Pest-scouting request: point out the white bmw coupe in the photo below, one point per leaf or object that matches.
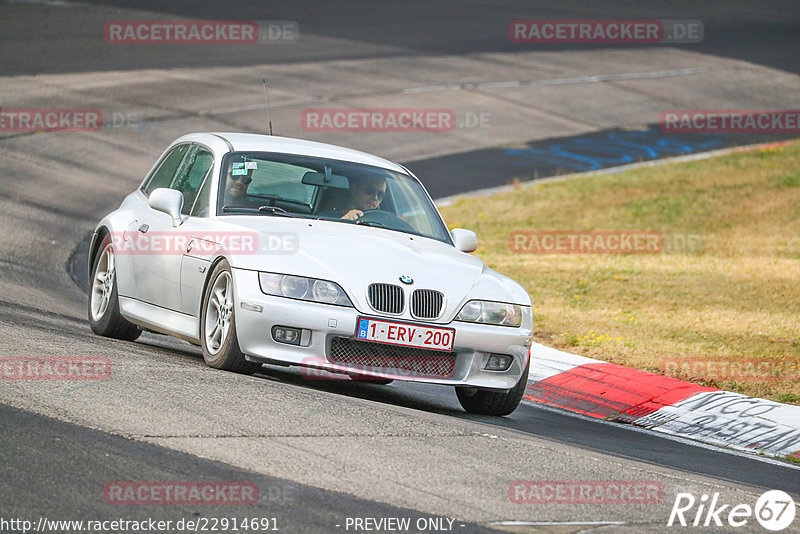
(266, 249)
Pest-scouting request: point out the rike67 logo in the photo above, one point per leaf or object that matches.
(774, 510)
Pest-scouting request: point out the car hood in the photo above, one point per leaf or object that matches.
(356, 256)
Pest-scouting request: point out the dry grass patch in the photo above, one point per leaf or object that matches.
(734, 299)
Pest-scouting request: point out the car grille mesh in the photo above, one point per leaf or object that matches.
(426, 303)
(387, 298)
(393, 359)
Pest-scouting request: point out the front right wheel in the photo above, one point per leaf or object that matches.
(218, 325)
(485, 401)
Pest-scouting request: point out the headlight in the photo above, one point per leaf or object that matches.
(302, 288)
(294, 287)
(325, 291)
(489, 312)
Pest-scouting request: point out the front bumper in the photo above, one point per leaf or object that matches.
(323, 323)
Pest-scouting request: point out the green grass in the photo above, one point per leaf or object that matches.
(734, 295)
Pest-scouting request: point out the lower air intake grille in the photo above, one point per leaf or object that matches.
(387, 298)
(379, 357)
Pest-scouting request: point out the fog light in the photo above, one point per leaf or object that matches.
(498, 362)
(284, 334)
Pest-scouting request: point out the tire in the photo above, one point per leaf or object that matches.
(493, 401)
(104, 317)
(218, 325)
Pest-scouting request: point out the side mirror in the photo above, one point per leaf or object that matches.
(168, 201)
(464, 240)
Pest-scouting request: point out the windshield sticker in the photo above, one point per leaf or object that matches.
(238, 165)
(250, 165)
(240, 172)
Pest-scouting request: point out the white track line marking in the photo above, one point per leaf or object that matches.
(597, 78)
(554, 523)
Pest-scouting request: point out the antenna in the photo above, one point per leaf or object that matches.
(266, 99)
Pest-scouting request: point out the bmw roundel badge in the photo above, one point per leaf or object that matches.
(406, 279)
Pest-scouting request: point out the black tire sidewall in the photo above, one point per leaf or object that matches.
(494, 402)
(107, 322)
(230, 348)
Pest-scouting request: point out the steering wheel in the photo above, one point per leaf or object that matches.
(386, 219)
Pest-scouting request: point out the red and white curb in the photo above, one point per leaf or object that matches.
(663, 404)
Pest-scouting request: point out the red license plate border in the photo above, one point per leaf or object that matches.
(450, 329)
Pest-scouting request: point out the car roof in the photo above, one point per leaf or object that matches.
(244, 142)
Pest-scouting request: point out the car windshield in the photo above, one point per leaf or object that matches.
(289, 185)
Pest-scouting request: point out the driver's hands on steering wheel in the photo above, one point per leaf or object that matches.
(353, 215)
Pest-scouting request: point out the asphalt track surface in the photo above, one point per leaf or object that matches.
(319, 451)
(764, 33)
(498, 166)
(34, 449)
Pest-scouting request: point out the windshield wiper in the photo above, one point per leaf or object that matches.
(275, 210)
(272, 210)
(237, 208)
(371, 223)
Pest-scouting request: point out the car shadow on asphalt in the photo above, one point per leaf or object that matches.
(424, 397)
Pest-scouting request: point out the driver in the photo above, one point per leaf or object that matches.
(365, 194)
(236, 189)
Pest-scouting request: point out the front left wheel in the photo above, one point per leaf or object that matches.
(218, 325)
(104, 317)
(493, 401)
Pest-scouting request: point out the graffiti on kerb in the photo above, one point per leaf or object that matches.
(614, 148)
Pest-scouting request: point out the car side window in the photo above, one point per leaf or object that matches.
(162, 177)
(201, 204)
(190, 175)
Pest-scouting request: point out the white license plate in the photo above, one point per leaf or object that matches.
(407, 335)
